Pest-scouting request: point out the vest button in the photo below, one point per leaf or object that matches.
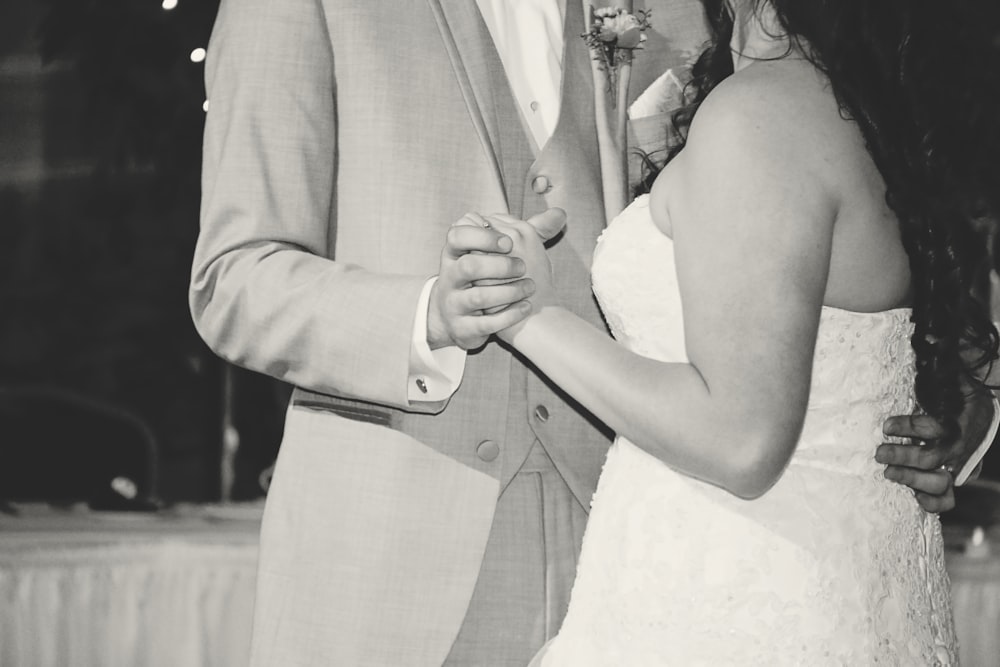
(540, 185)
(488, 450)
(542, 413)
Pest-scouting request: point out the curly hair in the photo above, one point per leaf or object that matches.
(921, 81)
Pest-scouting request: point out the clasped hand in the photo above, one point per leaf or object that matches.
(927, 460)
(495, 272)
(490, 268)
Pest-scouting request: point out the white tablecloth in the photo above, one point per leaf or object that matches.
(975, 590)
(84, 589)
(87, 589)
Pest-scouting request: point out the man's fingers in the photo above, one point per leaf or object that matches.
(485, 325)
(910, 456)
(508, 317)
(936, 504)
(921, 427)
(465, 237)
(472, 219)
(936, 482)
(495, 297)
(470, 269)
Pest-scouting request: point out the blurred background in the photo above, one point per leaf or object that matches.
(102, 375)
(133, 462)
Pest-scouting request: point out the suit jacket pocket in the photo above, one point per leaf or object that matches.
(353, 410)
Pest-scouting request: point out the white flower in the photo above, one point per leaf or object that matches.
(605, 12)
(627, 28)
(622, 22)
(631, 39)
(606, 34)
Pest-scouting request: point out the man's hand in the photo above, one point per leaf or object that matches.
(927, 463)
(479, 290)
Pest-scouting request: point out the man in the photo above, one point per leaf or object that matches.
(409, 521)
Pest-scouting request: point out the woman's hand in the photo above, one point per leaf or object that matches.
(528, 239)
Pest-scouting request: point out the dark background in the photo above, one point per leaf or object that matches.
(101, 371)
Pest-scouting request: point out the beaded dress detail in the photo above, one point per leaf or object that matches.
(834, 565)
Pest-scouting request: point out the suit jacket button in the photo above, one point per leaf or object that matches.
(540, 185)
(542, 413)
(488, 450)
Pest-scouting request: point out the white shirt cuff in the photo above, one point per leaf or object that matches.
(984, 446)
(434, 374)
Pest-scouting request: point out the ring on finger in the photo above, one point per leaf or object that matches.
(473, 219)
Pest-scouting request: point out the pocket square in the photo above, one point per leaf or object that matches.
(664, 94)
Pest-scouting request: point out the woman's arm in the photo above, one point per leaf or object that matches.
(752, 220)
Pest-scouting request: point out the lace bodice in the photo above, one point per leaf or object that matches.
(833, 566)
(862, 370)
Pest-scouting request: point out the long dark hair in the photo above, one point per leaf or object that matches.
(921, 80)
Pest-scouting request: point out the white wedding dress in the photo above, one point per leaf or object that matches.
(833, 566)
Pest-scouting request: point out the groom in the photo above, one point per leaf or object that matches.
(410, 520)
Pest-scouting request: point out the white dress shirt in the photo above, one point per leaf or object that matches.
(528, 35)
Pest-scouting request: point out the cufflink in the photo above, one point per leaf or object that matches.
(421, 385)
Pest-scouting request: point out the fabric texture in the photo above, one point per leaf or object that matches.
(342, 141)
(528, 35)
(524, 583)
(832, 566)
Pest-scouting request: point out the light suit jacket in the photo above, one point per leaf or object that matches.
(342, 140)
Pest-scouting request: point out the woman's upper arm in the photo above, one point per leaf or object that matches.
(752, 222)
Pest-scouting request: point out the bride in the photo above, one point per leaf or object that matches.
(764, 295)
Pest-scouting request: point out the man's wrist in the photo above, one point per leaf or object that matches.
(435, 373)
(436, 335)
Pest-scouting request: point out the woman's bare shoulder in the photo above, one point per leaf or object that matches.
(781, 114)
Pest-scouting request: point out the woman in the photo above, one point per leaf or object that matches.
(765, 295)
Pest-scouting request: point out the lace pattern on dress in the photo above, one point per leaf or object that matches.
(833, 566)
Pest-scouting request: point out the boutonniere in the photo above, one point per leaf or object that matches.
(614, 34)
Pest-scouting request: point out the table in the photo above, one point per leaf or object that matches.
(975, 591)
(103, 589)
(176, 588)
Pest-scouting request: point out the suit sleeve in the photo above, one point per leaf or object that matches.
(265, 294)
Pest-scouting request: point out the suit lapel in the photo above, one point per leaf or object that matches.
(474, 58)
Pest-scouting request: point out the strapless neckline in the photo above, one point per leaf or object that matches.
(641, 203)
(833, 566)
